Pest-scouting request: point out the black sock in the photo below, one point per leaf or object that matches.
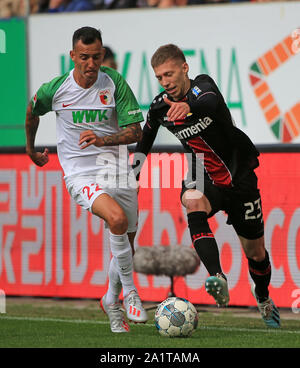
(261, 275)
(204, 242)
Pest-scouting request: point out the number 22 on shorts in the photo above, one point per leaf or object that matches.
(90, 190)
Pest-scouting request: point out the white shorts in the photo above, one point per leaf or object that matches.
(84, 190)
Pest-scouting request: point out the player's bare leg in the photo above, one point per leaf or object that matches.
(107, 208)
(198, 207)
(121, 264)
(260, 272)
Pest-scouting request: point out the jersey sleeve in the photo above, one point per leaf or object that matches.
(150, 130)
(203, 96)
(143, 147)
(127, 107)
(42, 100)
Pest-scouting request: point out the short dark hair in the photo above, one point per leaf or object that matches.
(87, 35)
(166, 52)
(108, 53)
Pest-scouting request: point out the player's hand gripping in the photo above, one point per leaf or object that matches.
(39, 158)
(177, 110)
(89, 137)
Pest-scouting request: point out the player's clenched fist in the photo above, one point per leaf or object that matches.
(39, 158)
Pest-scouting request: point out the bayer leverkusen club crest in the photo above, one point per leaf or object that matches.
(105, 96)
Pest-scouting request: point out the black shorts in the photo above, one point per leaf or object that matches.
(242, 203)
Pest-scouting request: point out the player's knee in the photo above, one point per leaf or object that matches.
(117, 222)
(257, 255)
(193, 205)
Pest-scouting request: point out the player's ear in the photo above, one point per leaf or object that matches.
(185, 67)
(103, 52)
(72, 54)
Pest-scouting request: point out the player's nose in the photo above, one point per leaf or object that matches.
(164, 82)
(91, 63)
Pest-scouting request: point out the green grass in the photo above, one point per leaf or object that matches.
(61, 324)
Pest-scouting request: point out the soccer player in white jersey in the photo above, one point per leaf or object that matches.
(97, 115)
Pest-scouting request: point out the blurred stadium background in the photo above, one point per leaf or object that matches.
(48, 246)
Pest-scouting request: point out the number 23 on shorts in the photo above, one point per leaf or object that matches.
(253, 210)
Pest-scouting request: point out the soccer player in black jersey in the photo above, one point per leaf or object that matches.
(196, 113)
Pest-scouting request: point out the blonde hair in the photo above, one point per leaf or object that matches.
(166, 52)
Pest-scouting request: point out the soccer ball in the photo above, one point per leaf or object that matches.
(176, 317)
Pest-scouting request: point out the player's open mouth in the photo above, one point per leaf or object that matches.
(171, 90)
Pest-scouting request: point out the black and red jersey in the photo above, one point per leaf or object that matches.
(208, 129)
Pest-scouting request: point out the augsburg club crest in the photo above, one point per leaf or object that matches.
(105, 96)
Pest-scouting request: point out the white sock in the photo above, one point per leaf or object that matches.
(114, 284)
(121, 250)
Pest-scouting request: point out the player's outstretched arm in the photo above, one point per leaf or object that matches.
(131, 134)
(31, 126)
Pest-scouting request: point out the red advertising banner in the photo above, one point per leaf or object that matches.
(49, 246)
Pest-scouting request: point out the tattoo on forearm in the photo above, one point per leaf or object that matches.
(32, 123)
(131, 134)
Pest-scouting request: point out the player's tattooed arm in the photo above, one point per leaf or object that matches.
(131, 134)
(31, 127)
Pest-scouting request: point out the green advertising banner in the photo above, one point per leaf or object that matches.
(13, 77)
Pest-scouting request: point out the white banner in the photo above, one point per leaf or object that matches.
(251, 50)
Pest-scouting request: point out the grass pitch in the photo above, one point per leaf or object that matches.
(49, 323)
